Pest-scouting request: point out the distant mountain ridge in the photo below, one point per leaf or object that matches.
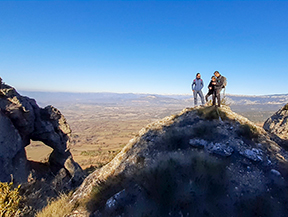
(266, 99)
(255, 108)
(118, 98)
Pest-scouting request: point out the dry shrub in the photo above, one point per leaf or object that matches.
(247, 131)
(211, 113)
(9, 200)
(57, 208)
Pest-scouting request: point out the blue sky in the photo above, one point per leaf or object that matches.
(144, 46)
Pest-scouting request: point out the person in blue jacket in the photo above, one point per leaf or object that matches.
(197, 86)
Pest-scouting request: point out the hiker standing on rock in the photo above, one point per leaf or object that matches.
(211, 88)
(220, 84)
(197, 86)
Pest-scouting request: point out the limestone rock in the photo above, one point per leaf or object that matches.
(277, 124)
(22, 120)
(52, 129)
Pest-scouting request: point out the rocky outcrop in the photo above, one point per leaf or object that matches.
(201, 162)
(277, 125)
(12, 154)
(22, 120)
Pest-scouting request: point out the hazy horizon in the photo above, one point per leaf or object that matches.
(147, 93)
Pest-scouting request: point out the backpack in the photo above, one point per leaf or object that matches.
(224, 82)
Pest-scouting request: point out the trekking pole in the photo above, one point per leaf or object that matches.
(224, 95)
(217, 110)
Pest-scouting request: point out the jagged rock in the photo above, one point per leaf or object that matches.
(22, 120)
(215, 148)
(221, 149)
(277, 124)
(254, 154)
(193, 164)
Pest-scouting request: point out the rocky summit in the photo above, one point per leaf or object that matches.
(202, 162)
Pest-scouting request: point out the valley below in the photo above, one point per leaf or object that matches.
(99, 132)
(103, 124)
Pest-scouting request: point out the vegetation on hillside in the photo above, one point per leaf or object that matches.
(9, 200)
(58, 207)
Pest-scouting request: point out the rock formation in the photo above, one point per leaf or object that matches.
(277, 125)
(201, 162)
(22, 120)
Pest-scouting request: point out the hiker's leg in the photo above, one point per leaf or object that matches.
(198, 93)
(202, 97)
(206, 97)
(214, 98)
(195, 97)
(218, 97)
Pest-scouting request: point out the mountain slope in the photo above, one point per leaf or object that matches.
(201, 162)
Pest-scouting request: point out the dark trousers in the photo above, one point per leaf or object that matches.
(216, 95)
(209, 94)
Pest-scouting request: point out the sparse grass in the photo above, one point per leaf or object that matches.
(211, 113)
(247, 131)
(102, 191)
(57, 208)
(205, 130)
(174, 182)
(174, 140)
(9, 200)
(285, 107)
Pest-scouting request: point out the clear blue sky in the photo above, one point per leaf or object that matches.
(144, 46)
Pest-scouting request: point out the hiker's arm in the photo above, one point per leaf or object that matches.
(220, 83)
(193, 85)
